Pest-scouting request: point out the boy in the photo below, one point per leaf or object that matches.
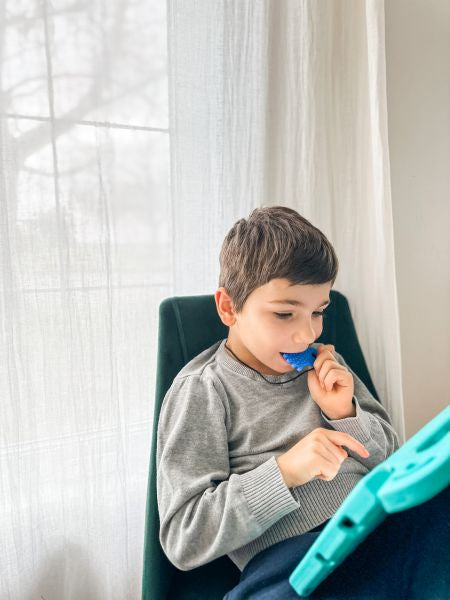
(253, 456)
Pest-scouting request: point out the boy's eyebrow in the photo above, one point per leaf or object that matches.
(297, 302)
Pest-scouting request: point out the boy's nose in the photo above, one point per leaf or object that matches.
(304, 337)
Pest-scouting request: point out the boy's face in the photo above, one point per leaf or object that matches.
(260, 332)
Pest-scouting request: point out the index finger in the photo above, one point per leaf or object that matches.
(329, 347)
(344, 439)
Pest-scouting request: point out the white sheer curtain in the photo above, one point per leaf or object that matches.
(285, 103)
(270, 103)
(85, 246)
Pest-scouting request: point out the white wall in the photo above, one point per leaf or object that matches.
(418, 101)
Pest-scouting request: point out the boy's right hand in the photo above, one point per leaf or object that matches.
(318, 454)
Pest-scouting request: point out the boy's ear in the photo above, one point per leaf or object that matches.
(225, 307)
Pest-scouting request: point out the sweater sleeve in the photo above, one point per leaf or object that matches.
(371, 425)
(206, 512)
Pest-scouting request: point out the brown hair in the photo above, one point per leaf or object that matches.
(274, 242)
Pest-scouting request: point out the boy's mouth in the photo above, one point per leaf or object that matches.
(284, 360)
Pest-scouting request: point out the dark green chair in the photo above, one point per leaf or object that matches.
(187, 326)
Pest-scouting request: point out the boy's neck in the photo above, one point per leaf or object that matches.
(236, 349)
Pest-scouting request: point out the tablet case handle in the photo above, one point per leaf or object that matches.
(418, 475)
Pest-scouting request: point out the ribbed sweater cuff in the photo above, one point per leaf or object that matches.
(267, 494)
(357, 426)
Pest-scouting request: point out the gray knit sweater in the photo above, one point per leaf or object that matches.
(219, 487)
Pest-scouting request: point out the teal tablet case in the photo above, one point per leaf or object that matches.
(413, 474)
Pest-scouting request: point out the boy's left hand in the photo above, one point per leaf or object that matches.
(335, 397)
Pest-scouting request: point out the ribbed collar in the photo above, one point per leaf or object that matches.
(224, 358)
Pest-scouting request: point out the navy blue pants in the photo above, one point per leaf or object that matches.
(407, 557)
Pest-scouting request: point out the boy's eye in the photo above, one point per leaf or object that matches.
(285, 316)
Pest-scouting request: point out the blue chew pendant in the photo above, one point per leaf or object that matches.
(300, 360)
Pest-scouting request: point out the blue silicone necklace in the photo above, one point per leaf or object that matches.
(272, 382)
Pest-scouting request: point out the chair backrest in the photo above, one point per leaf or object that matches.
(187, 326)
